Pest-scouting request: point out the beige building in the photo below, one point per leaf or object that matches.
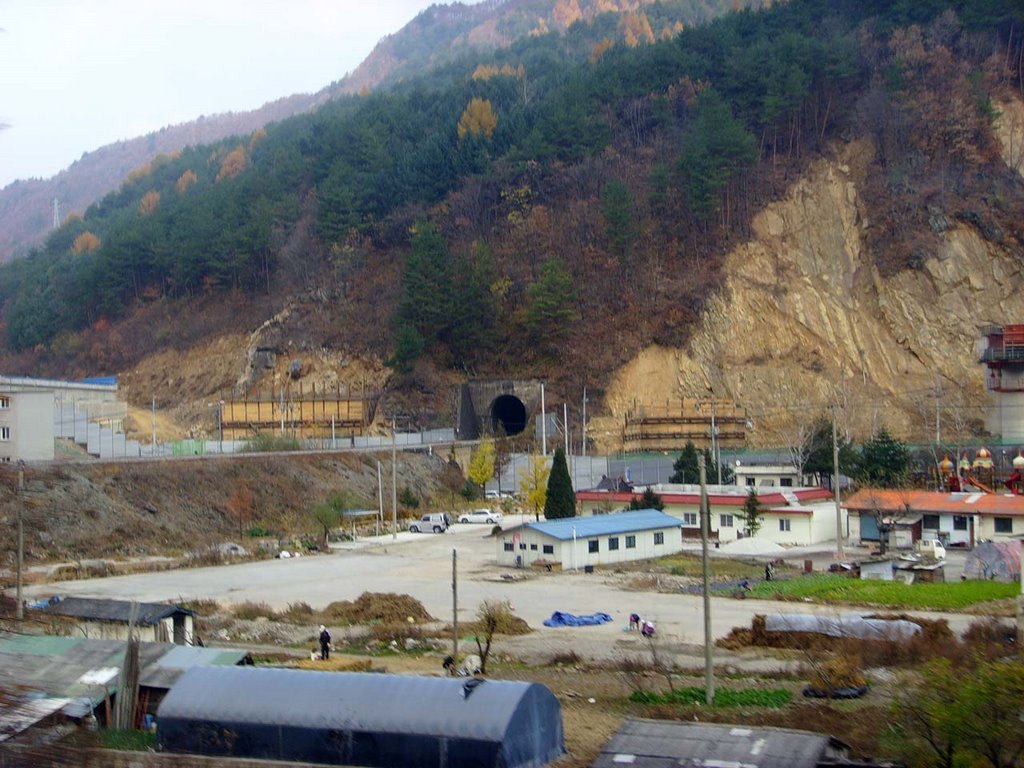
(26, 426)
(956, 519)
(790, 516)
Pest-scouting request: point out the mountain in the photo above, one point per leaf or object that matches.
(435, 37)
(811, 204)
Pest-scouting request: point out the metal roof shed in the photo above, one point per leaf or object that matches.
(670, 743)
(360, 719)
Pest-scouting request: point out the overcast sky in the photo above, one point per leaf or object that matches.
(78, 74)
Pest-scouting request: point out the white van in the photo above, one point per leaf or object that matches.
(930, 548)
(436, 522)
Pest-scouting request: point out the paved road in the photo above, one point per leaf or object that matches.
(420, 565)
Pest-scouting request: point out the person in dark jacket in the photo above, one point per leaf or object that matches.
(325, 643)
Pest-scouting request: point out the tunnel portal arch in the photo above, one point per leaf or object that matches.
(509, 414)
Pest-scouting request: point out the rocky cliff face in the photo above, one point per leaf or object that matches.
(806, 321)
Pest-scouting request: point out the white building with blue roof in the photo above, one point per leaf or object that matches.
(576, 542)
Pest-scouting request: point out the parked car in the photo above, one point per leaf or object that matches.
(481, 516)
(436, 522)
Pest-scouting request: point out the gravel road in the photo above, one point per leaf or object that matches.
(420, 565)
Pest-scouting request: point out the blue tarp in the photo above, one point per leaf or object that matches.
(559, 619)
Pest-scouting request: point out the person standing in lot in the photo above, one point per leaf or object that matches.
(325, 643)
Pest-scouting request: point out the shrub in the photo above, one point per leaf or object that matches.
(252, 610)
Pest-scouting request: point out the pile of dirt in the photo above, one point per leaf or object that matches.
(382, 607)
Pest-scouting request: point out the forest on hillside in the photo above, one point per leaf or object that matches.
(546, 209)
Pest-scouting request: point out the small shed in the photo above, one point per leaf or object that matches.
(104, 619)
(361, 719)
(672, 743)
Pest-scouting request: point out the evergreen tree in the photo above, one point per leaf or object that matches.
(884, 461)
(752, 514)
(560, 501)
(647, 500)
(685, 468)
(550, 309)
(620, 226)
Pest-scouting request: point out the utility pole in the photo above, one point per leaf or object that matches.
(543, 423)
(583, 447)
(394, 484)
(715, 447)
(455, 606)
(565, 424)
(705, 524)
(840, 555)
(154, 424)
(938, 397)
(380, 496)
(19, 612)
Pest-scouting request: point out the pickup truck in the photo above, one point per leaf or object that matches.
(931, 549)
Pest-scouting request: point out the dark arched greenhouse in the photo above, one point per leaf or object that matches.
(360, 718)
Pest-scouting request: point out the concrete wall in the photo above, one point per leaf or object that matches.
(1004, 415)
(26, 426)
(162, 632)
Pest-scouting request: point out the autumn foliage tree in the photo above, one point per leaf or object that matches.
(149, 202)
(232, 164)
(186, 180)
(241, 506)
(481, 463)
(86, 242)
(478, 119)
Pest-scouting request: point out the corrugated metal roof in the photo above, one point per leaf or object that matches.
(924, 502)
(99, 609)
(358, 701)
(661, 744)
(78, 668)
(601, 525)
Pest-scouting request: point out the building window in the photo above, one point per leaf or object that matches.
(725, 521)
(508, 546)
(784, 524)
(1004, 525)
(930, 522)
(592, 546)
(613, 543)
(659, 537)
(689, 518)
(631, 542)
(5, 403)
(522, 545)
(750, 481)
(549, 549)
(533, 547)
(786, 482)
(959, 522)
(5, 433)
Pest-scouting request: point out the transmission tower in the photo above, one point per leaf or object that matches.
(56, 213)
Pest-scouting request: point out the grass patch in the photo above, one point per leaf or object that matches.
(829, 588)
(128, 741)
(724, 697)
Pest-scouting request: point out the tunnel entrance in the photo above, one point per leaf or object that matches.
(509, 414)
